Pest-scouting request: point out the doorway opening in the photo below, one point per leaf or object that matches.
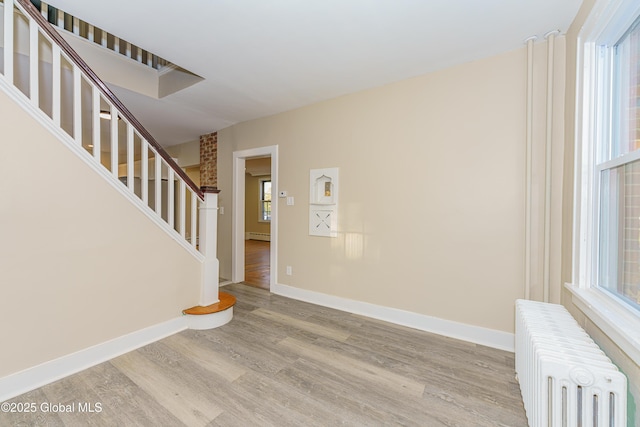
(257, 221)
(255, 218)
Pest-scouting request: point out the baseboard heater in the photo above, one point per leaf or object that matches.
(258, 236)
(565, 378)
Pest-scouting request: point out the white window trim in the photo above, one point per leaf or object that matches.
(260, 181)
(607, 22)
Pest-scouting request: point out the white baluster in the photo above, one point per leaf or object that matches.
(75, 25)
(103, 38)
(130, 171)
(116, 44)
(128, 50)
(56, 84)
(194, 219)
(183, 210)
(158, 173)
(60, 18)
(95, 116)
(44, 10)
(8, 40)
(34, 59)
(170, 198)
(114, 141)
(91, 32)
(144, 171)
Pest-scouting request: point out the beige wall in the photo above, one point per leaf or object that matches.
(627, 365)
(79, 264)
(187, 155)
(431, 192)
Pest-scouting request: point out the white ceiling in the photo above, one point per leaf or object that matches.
(261, 57)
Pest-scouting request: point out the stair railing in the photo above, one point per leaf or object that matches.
(75, 103)
(80, 28)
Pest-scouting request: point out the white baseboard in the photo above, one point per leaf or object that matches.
(475, 334)
(53, 370)
(48, 372)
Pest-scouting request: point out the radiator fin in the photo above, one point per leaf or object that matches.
(565, 378)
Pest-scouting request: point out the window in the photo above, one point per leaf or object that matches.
(607, 210)
(265, 200)
(618, 170)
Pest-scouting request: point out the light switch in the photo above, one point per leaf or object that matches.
(290, 201)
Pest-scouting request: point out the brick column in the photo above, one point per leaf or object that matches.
(209, 160)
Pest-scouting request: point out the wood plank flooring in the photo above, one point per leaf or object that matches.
(257, 263)
(282, 362)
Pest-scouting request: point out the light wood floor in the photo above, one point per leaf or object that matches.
(256, 263)
(281, 362)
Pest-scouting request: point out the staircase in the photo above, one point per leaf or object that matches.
(45, 76)
(222, 310)
(65, 21)
(120, 62)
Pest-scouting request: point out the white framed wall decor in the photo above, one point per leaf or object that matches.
(323, 202)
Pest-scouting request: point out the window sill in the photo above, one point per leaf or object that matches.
(621, 324)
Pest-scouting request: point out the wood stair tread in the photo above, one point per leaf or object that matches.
(226, 301)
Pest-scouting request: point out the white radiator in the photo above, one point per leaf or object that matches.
(565, 379)
(250, 235)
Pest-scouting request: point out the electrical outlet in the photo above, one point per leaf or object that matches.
(289, 270)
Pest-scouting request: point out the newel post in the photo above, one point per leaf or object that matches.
(208, 246)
